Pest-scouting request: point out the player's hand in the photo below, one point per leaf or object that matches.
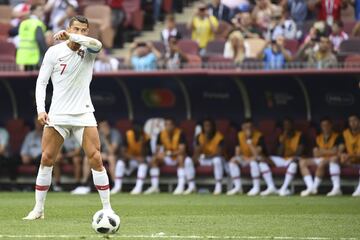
(62, 35)
(43, 118)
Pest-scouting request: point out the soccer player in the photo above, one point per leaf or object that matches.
(209, 151)
(249, 151)
(171, 151)
(70, 66)
(291, 145)
(326, 152)
(351, 156)
(135, 152)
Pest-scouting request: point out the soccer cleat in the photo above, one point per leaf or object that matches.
(152, 190)
(284, 192)
(334, 192)
(269, 191)
(218, 189)
(190, 190)
(136, 191)
(234, 191)
(34, 215)
(306, 192)
(253, 192)
(81, 190)
(57, 188)
(357, 192)
(116, 189)
(179, 190)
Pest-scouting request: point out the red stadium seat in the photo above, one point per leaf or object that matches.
(5, 13)
(183, 30)
(223, 125)
(134, 14)
(168, 170)
(167, 6)
(160, 46)
(188, 127)
(4, 30)
(292, 46)
(189, 46)
(67, 169)
(27, 170)
(219, 62)
(204, 171)
(17, 130)
(352, 61)
(7, 49)
(348, 26)
(350, 46)
(123, 125)
(215, 47)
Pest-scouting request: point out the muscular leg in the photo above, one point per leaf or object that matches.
(91, 146)
(154, 174)
(320, 172)
(304, 164)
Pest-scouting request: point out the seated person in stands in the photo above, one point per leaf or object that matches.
(4, 148)
(142, 56)
(110, 140)
(243, 22)
(280, 25)
(71, 153)
(219, 10)
(274, 54)
(135, 154)
(174, 56)
(250, 150)
(169, 30)
(328, 145)
(235, 47)
(105, 63)
(319, 57)
(351, 155)
(203, 27)
(338, 35)
(171, 151)
(209, 151)
(291, 146)
(31, 147)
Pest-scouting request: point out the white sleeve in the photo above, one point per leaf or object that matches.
(42, 81)
(91, 44)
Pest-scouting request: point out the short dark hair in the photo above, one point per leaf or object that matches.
(34, 7)
(325, 119)
(78, 18)
(247, 120)
(353, 115)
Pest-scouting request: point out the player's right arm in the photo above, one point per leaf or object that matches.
(41, 84)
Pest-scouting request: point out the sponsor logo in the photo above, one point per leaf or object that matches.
(158, 98)
(216, 95)
(340, 99)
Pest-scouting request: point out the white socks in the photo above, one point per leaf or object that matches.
(317, 182)
(218, 169)
(290, 174)
(335, 174)
(101, 182)
(154, 174)
(43, 182)
(141, 174)
(266, 173)
(255, 174)
(181, 177)
(189, 172)
(308, 181)
(235, 174)
(119, 173)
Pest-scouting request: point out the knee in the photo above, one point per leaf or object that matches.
(188, 162)
(217, 161)
(302, 163)
(333, 160)
(95, 161)
(121, 163)
(47, 159)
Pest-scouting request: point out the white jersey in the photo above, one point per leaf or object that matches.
(71, 74)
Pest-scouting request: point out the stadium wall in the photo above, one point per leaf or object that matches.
(194, 94)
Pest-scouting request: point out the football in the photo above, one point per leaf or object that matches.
(106, 222)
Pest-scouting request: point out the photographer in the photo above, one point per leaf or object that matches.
(142, 56)
(274, 54)
(174, 56)
(280, 25)
(243, 22)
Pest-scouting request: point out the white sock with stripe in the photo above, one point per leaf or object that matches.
(141, 174)
(235, 175)
(255, 174)
(334, 170)
(289, 176)
(119, 173)
(43, 182)
(154, 174)
(101, 182)
(308, 181)
(267, 175)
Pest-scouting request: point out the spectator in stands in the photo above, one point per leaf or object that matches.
(135, 154)
(4, 148)
(280, 26)
(219, 10)
(156, 9)
(31, 147)
(118, 17)
(105, 63)
(142, 56)
(235, 47)
(338, 35)
(64, 21)
(32, 44)
(174, 56)
(171, 151)
(298, 10)
(356, 5)
(243, 22)
(291, 146)
(351, 155)
(71, 153)
(319, 57)
(209, 151)
(328, 10)
(203, 27)
(57, 10)
(328, 146)
(249, 150)
(169, 30)
(262, 12)
(275, 55)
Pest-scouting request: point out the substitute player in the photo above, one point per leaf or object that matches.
(352, 146)
(134, 154)
(70, 66)
(326, 152)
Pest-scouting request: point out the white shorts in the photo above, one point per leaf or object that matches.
(168, 161)
(207, 162)
(67, 124)
(280, 161)
(317, 161)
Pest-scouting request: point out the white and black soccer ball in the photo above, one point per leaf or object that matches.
(106, 222)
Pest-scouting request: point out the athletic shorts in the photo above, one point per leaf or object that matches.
(280, 161)
(134, 164)
(67, 124)
(207, 161)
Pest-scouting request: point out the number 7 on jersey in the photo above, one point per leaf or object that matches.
(63, 65)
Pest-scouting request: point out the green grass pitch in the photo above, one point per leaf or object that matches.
(165, 216)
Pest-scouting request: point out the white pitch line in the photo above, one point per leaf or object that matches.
(158, 236)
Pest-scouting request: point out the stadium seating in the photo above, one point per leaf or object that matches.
(189, 46)
(5, 13)
(134, 14)
(7, 52)
(17, 130)
(183, 30)
(223, 30)
(4, 31)
(350, 46)
(215, 47)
